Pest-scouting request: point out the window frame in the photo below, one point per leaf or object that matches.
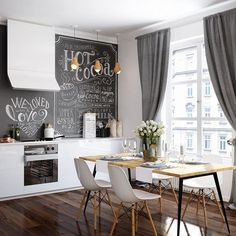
(198, 93)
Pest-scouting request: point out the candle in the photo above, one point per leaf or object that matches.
(165, 147)
(181, 150)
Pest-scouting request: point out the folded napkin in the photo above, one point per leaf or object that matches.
(128, 158)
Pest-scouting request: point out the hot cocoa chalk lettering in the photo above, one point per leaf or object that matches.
(29, 114)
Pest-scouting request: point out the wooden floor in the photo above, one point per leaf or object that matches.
(54, 214)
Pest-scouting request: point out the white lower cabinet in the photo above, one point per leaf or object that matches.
(68, 151)
(11, 170)
(12, 165)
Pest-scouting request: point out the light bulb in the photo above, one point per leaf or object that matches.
(74, 63)
(97, 66)
(117, 68)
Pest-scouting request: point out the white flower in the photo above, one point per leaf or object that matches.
(150, 129)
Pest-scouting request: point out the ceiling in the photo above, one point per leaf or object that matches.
(109, 16)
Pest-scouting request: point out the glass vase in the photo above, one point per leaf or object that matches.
(150, 150)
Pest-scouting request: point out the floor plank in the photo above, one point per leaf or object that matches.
(55, 214)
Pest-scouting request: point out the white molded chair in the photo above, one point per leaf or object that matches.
(155, 181)
(93, 187)
(102, 170)
(203, 188)
(122, 188)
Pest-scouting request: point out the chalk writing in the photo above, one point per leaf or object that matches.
(28, 113)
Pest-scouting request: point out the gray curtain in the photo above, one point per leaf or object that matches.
(220, 43)
(153, 56)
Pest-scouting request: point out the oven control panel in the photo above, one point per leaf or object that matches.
(41, 149)
(51, 148)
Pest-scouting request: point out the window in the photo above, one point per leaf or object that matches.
(207, 111)
(194, 117)
(189, 140)
(207, 142)
(222, 143)
(189, 109)
(207, 88)
(220, 112)
(189, 90)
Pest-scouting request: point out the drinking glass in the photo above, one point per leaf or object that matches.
(132, 146)
(125, 144)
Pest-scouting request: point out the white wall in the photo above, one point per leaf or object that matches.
(129, 89)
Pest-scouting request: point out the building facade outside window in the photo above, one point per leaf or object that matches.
(189, 90)
(189, 140)
(222, 143)
(207, 142)
(207, 111)
(194, 118)
(207, 88)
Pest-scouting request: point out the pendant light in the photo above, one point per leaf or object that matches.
(74, 62)
(97, 65)
(117, 68)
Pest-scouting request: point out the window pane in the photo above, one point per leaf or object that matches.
(185, 60)
(184, 99)
(216, 129)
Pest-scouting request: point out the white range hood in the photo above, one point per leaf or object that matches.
(31, 56)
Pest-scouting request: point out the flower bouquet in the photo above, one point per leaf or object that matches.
(149, 132)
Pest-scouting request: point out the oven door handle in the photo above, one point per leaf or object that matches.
(40, 157)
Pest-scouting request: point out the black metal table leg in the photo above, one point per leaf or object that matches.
(221, 199)
(88, 195)
(179, 204)
(129, 175)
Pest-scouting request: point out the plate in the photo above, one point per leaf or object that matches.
(195, 163)
(155, 165)
(111, 158)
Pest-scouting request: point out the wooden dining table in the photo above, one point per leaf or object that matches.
(182, 172)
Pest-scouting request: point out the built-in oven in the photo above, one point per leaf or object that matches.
(41, 164)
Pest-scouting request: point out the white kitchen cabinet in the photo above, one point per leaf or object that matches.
(68, 151)
(11, 170)
(12, 165)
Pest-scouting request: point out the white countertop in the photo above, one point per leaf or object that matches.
(63, 140)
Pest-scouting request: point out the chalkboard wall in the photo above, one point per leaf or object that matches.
(82, 90)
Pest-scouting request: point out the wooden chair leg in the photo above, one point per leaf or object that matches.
(150, 218)
(95, 210)
(136, 217)
(160, 192)
(188, 201)
(82, 205)
(115, 221)
(99, 203)
(133, 220)
(176, 199)
(204, 208)
(217, 203)
(198, 200)
(110, 203)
